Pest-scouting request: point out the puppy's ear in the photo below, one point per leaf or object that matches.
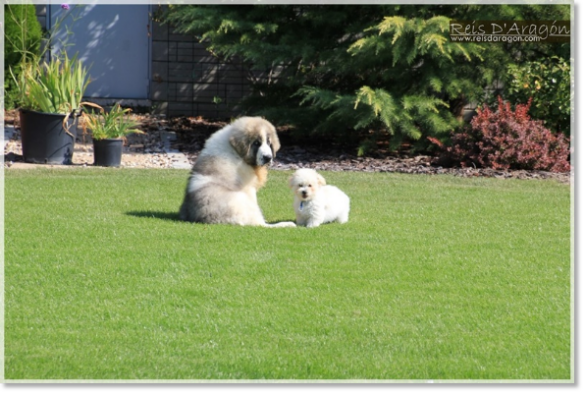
(273, 137)
(321, 180)
(274, 141)
(240, 142)
(291, 182)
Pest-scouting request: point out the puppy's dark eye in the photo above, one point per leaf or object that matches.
(310, 186)
(257, 143)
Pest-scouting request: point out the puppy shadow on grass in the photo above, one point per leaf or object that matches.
(172, 216)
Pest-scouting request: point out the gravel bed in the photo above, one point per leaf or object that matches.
(175, 143)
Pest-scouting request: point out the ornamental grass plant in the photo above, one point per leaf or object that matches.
(56, 86)
(115, 123)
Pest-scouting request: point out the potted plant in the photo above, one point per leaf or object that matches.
(51, 95)
(108, 130)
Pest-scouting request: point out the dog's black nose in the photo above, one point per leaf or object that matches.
(266, 159)
(304, 193)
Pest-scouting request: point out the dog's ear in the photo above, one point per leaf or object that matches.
(274, 141)
(321, 180)
(291, 182)
(240, 142)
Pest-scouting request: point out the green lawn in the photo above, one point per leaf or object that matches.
(432, 278)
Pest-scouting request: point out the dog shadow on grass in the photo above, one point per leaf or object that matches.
(172, 216)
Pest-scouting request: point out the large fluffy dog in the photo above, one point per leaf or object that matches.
(229, 170)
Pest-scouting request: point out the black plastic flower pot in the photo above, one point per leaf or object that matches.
(107, 152)
(44, 139)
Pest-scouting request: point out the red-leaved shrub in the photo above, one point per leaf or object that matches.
(507, 139)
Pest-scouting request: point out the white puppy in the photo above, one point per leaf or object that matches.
(316, 202)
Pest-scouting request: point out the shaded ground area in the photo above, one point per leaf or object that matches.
(176, 142)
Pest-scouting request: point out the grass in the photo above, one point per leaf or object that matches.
(432, 278)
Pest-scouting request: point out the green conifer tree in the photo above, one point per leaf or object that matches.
(356, 72)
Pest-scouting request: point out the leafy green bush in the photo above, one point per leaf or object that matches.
(22, 41)
(548, 82)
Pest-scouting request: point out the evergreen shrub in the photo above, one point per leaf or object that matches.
(548, 82)
(22, 42)
(358, 74)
